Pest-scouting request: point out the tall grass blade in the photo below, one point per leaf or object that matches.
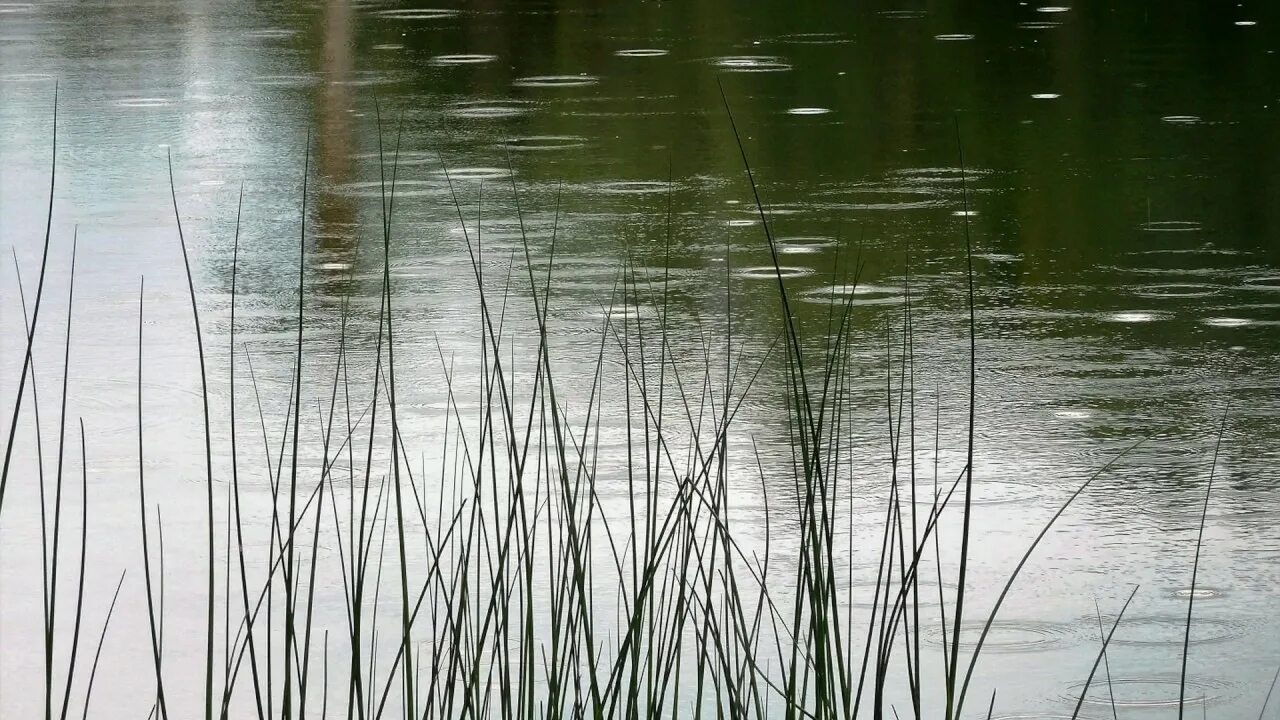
(35, 313)
(208, 451)
(97, 654)
(1195, 565)
(1102, 653)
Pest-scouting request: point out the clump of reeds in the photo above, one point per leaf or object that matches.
(516, 590)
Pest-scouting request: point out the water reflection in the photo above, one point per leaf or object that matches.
(1118, 192)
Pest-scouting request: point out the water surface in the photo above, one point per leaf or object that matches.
(1118, 188)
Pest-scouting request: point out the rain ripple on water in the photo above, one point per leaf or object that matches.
(1148, 692)
(534, 143)
(862, 294)
(488, 109)
(1009, 636)
(465, 59)
(418, 14)
(814, 38)
(556, 81)
(1170, 629)
(768, 272)
(641, 53)
(1170, 226)
(752, 63)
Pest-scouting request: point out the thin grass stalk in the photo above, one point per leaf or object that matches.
(40, 477)
(208, 451)
(962, 575)
(156, 653)
(1101, 654)
(84, 546)
(1013, 576)
(1195, 565)
(51, 579)
(235, 475)
(388, 206)
(35, 313)
(97, 654)
(1262, 711)
(1106, 663)
(290, 629)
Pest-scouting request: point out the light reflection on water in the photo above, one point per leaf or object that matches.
(1124, 231)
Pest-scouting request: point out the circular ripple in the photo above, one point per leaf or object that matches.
(25, 77)
(1133, 316)
(902, 14)
(1175, 290)
(1147, 692)
(556, 81)
(14, 8)
(808, 111)
(1038, 25)
(862, 294)
(487, 109)
(932, 175)
(405, 158)
(362, 79)
(418, 14)
(1045, 96)
(544, 142)
(464, 59)
(864, 592)
(803, 245)
(143, 102)
(953, 37)
(1034, 716)
(742, 222)
(766, 272)
(404, 188)
(887, 199)
(641, 53)
(1155, 630)
(1181, 119)
(1227, 322)
(284, 80)
(272, 33)
(621, 312)
(1271, 282)
(1171, 226)
(475, 174)
(998, 257)
(752, 63)
(1202, 592)
(1010, 636)
(1053, 9)
(997, 492)
(814, 38)
(632, 187)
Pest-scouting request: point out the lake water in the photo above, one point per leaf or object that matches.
(1119, 187)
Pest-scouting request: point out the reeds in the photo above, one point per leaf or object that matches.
(535, 573)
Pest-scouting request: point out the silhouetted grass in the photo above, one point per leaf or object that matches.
(519, 591)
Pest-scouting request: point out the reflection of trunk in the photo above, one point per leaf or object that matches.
(335, 214)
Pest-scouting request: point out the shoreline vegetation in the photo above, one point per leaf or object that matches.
(511, 589)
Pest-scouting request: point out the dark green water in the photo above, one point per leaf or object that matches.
(1119, 176)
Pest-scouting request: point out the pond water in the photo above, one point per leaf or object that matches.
(1118, 186)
